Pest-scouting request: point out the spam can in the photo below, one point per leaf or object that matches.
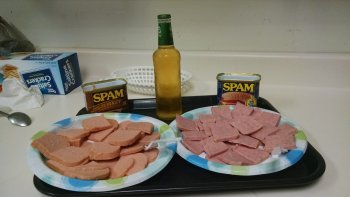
(238, 87)
(105, 95)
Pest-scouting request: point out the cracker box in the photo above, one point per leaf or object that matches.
(53, 73)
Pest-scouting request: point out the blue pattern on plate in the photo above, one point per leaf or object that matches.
(136, 117)
(216, 164)
(81, 183)
(172, 146)
(188, 116)
(198, 161)
(65, 122)
(47, 179)
(294, 155)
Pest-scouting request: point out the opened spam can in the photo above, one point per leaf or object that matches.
(106, 95)
(238, 87)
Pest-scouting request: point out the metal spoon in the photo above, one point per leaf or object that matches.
(18, 118)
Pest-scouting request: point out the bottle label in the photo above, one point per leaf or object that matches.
(165, 35)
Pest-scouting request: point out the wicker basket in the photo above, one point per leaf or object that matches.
(141, 79)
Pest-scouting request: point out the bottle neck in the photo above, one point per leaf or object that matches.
(166, 46)
(165, 34)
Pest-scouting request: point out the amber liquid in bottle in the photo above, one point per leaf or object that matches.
(166, 60)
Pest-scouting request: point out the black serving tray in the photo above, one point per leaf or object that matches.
(179, 176)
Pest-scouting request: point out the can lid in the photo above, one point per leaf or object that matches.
(239, 76)
(164, 16)
(103, 84)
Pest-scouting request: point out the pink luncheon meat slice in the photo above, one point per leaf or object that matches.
(101, 135)
(228, 157)
(195, 147)
(287, 129)
(148, 138)
(222, 112)
(268, 118)
(283, 141)
(213, 148)
(145, 127)
(239, 157)
(185, 124)
(207, 118)
(256, 113)
(241, 110)
(214, 159)
(231, 157)
(199, 125)
(207, 130)
(266, 130)
(254, 155)
(223, 132)
(207, 140)
(246, 141)
(72, 134)
(246, 125)
(193, 135)
(96, 123)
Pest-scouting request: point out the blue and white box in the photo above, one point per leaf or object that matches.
(53, 73)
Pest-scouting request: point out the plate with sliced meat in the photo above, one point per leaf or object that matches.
(100, 152)
(239, 140)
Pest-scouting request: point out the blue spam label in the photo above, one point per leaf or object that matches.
(42, 79)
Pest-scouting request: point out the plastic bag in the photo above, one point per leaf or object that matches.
(12, 40)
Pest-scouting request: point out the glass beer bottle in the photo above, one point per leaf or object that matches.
(167, 72)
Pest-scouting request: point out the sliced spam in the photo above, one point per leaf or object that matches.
(243, 136)
(102, 149)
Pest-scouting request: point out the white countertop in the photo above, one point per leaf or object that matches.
(311, 89)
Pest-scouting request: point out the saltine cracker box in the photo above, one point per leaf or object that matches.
(53, 73)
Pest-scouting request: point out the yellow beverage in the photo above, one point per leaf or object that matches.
(166, 60)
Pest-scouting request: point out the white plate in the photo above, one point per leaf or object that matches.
(43, 172)
(270, 165)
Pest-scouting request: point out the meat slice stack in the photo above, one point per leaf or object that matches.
(243, 136)
(102, 149)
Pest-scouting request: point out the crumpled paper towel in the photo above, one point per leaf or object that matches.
(17, 96)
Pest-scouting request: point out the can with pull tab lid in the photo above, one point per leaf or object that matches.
(106, 95)
(238, 87)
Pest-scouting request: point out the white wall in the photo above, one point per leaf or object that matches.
(236, 25)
